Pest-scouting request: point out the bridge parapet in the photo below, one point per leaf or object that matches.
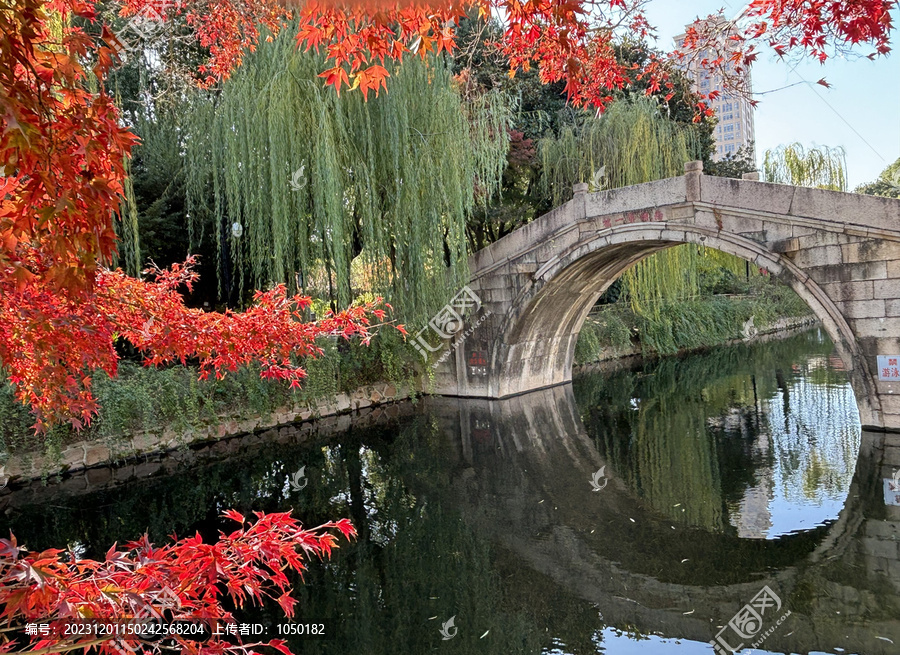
(839, 251)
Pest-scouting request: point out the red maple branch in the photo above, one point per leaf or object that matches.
(185, 580)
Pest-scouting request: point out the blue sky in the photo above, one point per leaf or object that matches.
(861, 111)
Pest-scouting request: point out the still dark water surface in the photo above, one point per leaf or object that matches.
(638, 511)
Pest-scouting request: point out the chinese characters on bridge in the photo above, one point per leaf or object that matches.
(888, 368)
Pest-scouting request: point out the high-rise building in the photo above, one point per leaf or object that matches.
(735, 114)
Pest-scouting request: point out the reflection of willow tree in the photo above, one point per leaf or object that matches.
(818, 438)
(677, 464)
(652, 430)
(683, 432)
(438, 566)
(418, 563)
(415, 559)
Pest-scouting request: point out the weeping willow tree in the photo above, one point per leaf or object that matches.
(300, 184)
(630, 144)
(822, 167)
(633, 143)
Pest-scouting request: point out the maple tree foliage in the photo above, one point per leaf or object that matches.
(140, 583)
(816, 28)
(568, 40)
(61, 308)
(63, 150)
(40, 324)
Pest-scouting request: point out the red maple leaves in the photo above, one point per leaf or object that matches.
(52, 338)
(567, 40)
(360, 37)
(817, 28)
(817, 25)
(186, 580)
(63, 148)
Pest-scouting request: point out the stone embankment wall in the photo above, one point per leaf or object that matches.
(374, 400)
(236, 447)
(607, 359)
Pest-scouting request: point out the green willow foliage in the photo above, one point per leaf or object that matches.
(126, 226)
(317, 180)
(633, 143)
(822, 168)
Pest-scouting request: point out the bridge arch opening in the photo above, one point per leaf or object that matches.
(539, 334)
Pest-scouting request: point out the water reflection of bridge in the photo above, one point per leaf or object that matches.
(523, 477)
(519, 472)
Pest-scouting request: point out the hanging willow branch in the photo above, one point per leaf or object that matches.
(338, 193)
(822, 167)
(129, 256)
(631, 143)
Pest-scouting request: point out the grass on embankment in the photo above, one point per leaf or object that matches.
(143, 398)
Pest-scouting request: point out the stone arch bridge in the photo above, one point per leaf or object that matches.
(531, 291)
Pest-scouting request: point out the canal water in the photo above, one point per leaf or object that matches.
(726, 497)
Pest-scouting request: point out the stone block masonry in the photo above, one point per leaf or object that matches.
(839, 251)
